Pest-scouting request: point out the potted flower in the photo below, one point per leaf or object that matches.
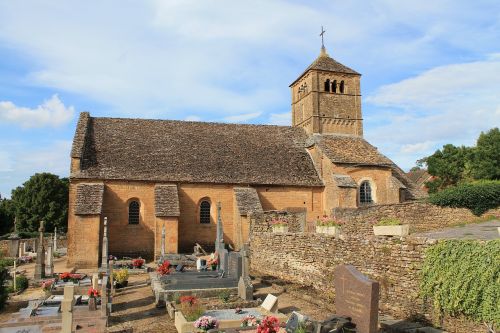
(269, 324)
(279, 224)
(328, 225)
(249, 321)
(206, 323)
(391, 227)
(121, 278)
(93, 294)
(213, 262)
(164, 268)
(138, 263)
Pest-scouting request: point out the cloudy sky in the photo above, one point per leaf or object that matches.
(431, 69)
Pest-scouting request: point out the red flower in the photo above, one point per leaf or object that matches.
(269, 324)
(189, 299)
(137, 263)
(164, 268)
(93, 292)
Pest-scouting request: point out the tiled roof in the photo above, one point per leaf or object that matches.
(166, 200)
(89, 199)
(397, 183)
(413, 191)
(344, 181)
(247, 200)
(193, 152)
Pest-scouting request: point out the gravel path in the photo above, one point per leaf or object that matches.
(485, 231)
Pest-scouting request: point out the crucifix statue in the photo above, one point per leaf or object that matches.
(322, 34)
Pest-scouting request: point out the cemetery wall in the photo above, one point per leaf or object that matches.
(310, 259)
(62, 242)
(420, 216)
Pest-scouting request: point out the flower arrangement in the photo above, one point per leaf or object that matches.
(279, 221)
(93, 293)
(249, 321)
(164, 268)
(269, 324)
(138, 263)
(206, 323)
(67, 276)
(213, 262)
(121, 276)
(191, 300)
(328, 221)
(25, 259)
(47, 284)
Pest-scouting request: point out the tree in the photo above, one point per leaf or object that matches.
(7, 213)
(43, 197)
(450, 165)
(485, 162)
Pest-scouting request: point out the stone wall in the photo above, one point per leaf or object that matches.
(62, 242)
(310, 259)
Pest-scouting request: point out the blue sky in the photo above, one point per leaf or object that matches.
(431, 69)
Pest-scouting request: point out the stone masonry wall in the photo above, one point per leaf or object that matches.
(310, 259)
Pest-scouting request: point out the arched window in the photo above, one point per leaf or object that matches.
(327, 85)
(341, 87)
(365, 193)
(205, 212)
(334, 86)
(133, 212)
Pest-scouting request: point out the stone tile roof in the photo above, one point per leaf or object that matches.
(346, 149)
(344, 181)
(397, 183)
(419, 176)
(89, 199)
(166, 200)
(412, 190)
(325, 63)
(247, 200)
(193, 152)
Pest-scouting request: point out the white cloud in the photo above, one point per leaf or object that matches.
(284, 119)
(192, 118)
(51, 112)
(418, 147)
(242, 117)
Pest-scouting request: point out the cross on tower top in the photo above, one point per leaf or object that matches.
(322, 34)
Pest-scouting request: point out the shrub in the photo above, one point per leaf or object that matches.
(190, 308)
(5, 262)
(478, 196)
(388, 221)
(463, 277)
(21, 283)
(121, 276)
(4, 273)
(224, 296)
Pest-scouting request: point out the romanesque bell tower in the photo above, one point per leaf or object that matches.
(326, 98)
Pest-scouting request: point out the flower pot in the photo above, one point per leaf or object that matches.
(280, 228)
(121, 285)
(92, 304)
(214, 267)
(392, 230)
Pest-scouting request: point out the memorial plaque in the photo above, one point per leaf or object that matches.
(357, 297)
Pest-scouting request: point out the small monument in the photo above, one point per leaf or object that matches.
(356, 297)
(219, 241)
(55, 239)
(163, 241)
(245, 288)
(50, 261)
(40, 255)
(67, 304)
(104, 257)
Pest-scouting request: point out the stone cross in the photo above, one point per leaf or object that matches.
(14, 275)
(40, 255)
(95, 281)
(104, 257)
(55, 239)
(219, 241)
(67, 304)
(322, 34)
(50, 261)
(163, 235)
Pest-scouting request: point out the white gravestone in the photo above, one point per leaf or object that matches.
(270, 303)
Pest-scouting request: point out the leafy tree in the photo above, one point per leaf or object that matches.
(485, 162)
(7, 212)
(43, 197)
(451, 165)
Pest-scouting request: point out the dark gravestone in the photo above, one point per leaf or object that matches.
(356, 296)
(234, 265)
(224, 261)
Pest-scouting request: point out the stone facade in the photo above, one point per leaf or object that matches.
(310, 259)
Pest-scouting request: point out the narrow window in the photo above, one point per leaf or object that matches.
(341, 87)
(365, 193)
(327, 85)
(205, 212)
(133, 212)
(305, 88)
(334, 86)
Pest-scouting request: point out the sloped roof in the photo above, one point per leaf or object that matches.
(325, 63)
(413, 190)
(247, 200)
(166, 200)
(344, 181)
(89, 199)
(397, 183)
(193, 152)
(419, 176)
(347, 149)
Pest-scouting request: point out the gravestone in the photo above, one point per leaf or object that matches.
(162, 242)
(40, 255)
(245, 288)
(50, 261)
(55, 239)
(356, 297)
(270, 303)
(234, 265)
(293, 322)
(224, 261)
(67, 309)
(219, 241)
(104, 257)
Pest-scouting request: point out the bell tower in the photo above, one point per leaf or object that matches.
(326, 98)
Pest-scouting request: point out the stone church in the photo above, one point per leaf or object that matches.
(145, 174)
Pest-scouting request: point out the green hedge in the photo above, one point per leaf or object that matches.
(4, 273)
(478, 196)
(463, 277)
